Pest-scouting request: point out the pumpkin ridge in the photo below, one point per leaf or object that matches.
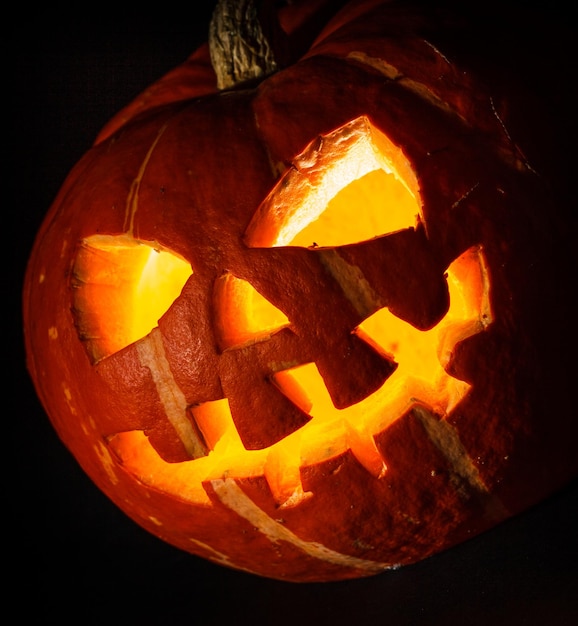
(232, 496)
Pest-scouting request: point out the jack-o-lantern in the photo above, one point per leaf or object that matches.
(285, 315)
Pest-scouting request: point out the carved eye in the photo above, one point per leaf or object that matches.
(121, 289)
(349, 186)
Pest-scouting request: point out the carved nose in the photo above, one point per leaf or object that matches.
(303, 318)
(264, 410)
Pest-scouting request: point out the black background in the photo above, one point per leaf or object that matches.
(70, 555)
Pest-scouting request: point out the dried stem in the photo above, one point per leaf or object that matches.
(240, 52)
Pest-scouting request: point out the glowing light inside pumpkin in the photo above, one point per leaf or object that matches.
(361, 211)
(123, 287)
(243, 316)
(317, 204)
(421, 357)
(420, 378)
(320, 199)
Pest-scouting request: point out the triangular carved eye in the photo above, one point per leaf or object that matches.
(242, 315)
(122, 287)
(348, 186)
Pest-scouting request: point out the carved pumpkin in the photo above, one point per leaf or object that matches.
(293, 325)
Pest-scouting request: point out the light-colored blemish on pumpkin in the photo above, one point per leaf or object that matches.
(87, 425)
(394, 74)
(234, 498)
(352, 281)
(155, 520)
(106, 461)
(465, 196)
(519, 159)
(68, 397)
(41, 277)
(53, 333)
(152, 355)
(63, 249)
(132, 198)
(297, 497)
(440, 54)
(218, 557)
(380, 65)
(465, 476)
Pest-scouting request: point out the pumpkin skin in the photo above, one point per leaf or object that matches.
(476, 192)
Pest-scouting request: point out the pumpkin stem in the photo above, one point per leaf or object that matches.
(240, 50)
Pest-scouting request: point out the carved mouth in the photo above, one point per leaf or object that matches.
(347, 187)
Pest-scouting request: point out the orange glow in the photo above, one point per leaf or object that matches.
(352, 184)
(354, 187)
(419, 378)
(243, 315)
(420, 375)
(364, 206)
(123, 287)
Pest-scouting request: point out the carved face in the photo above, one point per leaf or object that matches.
(289, 327)
(299, 337)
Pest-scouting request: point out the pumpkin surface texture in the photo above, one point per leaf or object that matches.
(289, 312)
